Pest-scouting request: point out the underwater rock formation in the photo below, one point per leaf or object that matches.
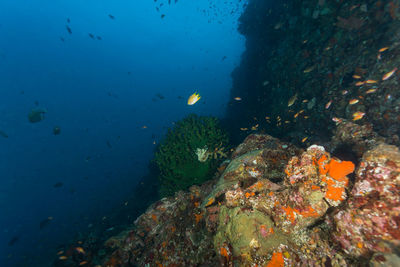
(371, 221)
(337, 57)
(357, 138)
(274, 204)
(262, 221)
(170, 233)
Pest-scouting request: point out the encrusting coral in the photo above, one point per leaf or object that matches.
(275, 205)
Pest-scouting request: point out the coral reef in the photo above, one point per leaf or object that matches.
(170, 233)
(273, 204)
(189, 153)
(314, 72)
(371, 221)
(264, 221)
(357, 138)
(337, 57)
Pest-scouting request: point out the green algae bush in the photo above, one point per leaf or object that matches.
(176, 158)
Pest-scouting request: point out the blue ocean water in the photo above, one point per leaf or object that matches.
(113, 76)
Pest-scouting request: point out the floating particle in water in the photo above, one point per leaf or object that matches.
(56, 130)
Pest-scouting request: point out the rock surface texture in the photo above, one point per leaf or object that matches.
(274, 204)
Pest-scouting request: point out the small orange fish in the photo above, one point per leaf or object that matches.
(306, 117)
(359, 83)
(371, 81)
(305, 100)
(353, 101)
(254, 128)
(304, 139)
(370, 91)
(193, 99)
(345, 92)
(83, 263)
(80, 250)
(63, 258)
(328, 104)
(389, 74)
(358, 115)
(144, 127)
(237, 98)
(383, 49)
(243, 129)
(60, 252)
(355, 76)
(337, 120)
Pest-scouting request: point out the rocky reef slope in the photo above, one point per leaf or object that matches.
(274, 204)
(309, 63)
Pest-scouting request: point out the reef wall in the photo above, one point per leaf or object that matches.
(308, 64)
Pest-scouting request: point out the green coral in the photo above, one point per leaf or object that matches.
(176, 156)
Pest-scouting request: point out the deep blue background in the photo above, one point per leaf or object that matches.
(97, 91)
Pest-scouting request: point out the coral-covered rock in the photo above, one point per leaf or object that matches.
(171, 232)
(371, 222)
(313, 216)
(262, 141)
(261, 158)
(358, 138)
(262, 221)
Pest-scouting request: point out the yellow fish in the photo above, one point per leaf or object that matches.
(370, 81)
(292, 100)
(358, 115)
(193, 99)
(389, 74)
(337, 120)
(353, 101)
(328, 104)
(359, 83)
(370, 91)
(383, 49)
(80, 250)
